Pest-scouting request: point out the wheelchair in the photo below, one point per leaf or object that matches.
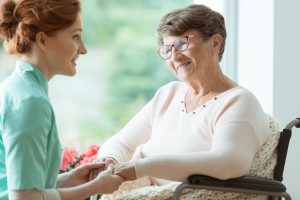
(273, 188)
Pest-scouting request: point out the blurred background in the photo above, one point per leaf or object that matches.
(122, 69)
(120, 73)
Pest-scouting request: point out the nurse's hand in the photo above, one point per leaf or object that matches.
(78, 175)
(107, 182)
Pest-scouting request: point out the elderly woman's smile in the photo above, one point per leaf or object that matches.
(183, 65)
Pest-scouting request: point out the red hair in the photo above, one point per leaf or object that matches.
(20, 21)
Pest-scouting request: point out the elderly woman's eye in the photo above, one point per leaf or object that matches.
(180, 43)
(165, 50)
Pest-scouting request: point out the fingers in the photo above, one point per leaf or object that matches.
(109, 160)
(94, 165)
(110, 168)
(95, 169)
(92, 174)
(123, 167)
(108, 171)
(121, 173)
(125, 170)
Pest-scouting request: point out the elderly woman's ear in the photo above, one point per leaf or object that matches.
(216, 41)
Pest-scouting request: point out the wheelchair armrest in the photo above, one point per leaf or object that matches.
(244, 182)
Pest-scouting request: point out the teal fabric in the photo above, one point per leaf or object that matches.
(30, 150)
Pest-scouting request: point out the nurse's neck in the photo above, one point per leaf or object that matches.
(38, 60)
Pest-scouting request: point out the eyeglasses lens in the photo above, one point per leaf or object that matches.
(180, 44)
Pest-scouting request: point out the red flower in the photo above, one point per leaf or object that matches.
(71, 159)
(87, 160)
(89, 155)
(68, 156)
(91, 151)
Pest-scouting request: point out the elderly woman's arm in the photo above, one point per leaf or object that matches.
(240, 129)
(231, 156)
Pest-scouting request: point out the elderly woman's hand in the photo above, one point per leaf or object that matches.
(107, 182)
(107, 160)
(125, 170)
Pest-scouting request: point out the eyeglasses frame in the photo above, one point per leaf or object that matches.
(197, 35)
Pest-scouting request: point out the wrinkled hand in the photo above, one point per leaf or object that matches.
(125, 170)
(107, 181)
(108, 161)
(80, 174)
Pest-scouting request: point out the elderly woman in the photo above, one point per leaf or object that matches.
(205, 123)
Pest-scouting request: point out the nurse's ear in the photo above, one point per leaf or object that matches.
(41, 40)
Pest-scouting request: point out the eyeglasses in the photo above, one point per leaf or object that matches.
(180, 44)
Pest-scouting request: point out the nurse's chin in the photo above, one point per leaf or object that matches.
(70, 73)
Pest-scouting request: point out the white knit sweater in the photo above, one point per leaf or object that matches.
(262, 166)
(219, 138)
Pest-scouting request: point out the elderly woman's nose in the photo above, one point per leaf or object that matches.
(175, 54)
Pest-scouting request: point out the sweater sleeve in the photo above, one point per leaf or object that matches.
(240, 128)
(122, 145)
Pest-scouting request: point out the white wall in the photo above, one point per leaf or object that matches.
(268, 54)
(255, 49)
(286, 97)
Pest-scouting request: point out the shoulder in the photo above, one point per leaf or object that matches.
(35, 109)
(27, 118)
(18, 83)
(240, 107)
(239, 94)
(31, 106)
(20, 93)
(240, 103)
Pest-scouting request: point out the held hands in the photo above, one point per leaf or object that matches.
(107, 161)
(107, 182)
(113, 176)
(79, 175)
(125, 170)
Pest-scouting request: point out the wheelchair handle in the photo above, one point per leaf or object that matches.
(295, 122)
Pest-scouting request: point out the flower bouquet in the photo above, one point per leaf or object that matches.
(71, 159)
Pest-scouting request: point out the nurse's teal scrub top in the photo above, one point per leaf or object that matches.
(30, 150)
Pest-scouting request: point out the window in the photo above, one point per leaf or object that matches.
(228, 8)
(121, 71)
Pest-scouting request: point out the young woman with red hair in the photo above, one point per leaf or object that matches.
(46, 37)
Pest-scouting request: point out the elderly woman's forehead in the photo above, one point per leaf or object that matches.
(168, 38)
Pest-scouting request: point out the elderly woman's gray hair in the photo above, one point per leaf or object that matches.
(198, 17)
